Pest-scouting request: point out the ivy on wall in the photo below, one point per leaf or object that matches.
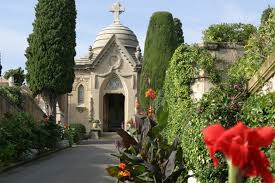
(185, 66)
(225, 103)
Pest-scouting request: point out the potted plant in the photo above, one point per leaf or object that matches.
(95, 123)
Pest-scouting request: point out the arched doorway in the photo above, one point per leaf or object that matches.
(113, 111)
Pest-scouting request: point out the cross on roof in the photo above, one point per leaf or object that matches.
(117, 9)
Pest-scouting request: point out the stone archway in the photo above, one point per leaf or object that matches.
(113, 111)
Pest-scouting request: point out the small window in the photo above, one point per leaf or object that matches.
(80, 95)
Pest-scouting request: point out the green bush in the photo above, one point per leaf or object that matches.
(229, 32)
(187, 118)
(55, 134)
(19, 133)
(259, 110)
(16, 130)
(79, 131)
(13, 95)
(69, 135)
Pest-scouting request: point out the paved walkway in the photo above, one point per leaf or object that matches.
(81, 164)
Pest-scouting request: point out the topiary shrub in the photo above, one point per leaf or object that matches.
(160, 45)
(229, 32)
(79, 131)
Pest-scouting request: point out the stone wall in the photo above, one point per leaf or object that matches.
(225, 55)
(29, 106)
(6, 106)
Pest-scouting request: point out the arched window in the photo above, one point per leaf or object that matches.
(80, 95)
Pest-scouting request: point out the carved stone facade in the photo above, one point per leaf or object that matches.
(109, 72)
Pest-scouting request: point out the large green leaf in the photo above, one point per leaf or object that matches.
(171, 164)
(127, 139)
(113, 171)
(145, 177)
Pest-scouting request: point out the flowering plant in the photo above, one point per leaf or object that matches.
(150, 93)
(240, 145)
(146, 156)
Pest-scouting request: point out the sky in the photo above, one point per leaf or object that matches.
(17, 16)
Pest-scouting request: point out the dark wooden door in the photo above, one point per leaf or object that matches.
(114, 111)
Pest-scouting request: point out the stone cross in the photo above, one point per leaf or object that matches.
(117, 9)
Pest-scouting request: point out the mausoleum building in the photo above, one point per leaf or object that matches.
(106, 79)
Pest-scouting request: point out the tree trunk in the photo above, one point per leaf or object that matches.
(50, 101)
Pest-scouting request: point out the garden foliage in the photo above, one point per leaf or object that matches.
(146, 155)
(226, 103)
(20, 133)
(229, 32)
(79, 131)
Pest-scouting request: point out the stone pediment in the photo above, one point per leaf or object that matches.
(127, 55)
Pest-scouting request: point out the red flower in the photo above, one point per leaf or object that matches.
(150, 93)
(241, 144)
(122, 166)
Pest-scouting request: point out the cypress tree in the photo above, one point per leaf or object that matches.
(178, 31)
(160, 45)
(51, 51)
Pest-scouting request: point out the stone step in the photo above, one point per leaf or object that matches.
(109, 136)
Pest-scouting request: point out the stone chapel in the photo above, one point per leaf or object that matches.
(106, 79)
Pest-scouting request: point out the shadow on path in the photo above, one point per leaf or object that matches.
(81, 164)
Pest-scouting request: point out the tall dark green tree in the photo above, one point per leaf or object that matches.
(160, 45)
(178, 31)
(51, 51)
